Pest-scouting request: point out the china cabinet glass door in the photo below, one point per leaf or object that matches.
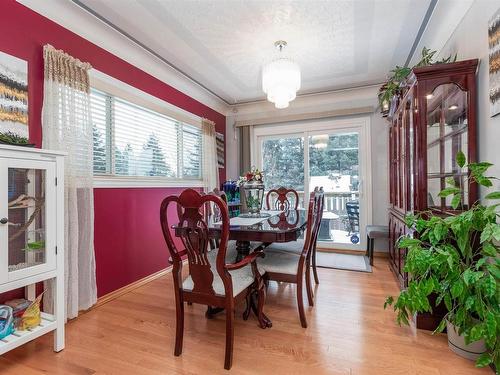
(447, 127)
(27, 217)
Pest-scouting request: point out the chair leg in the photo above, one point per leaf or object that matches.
(179, 326)
(367, 246)
(315, 271)
(372, 245)
(300, 302)
(310, 294)
(228, 360)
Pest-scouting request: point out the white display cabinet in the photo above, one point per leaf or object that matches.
(32, 233)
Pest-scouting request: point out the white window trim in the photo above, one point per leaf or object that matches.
(115, 87)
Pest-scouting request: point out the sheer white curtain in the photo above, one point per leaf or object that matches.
(67, 126)
(210, 167)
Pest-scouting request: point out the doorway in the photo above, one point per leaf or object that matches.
(334, 154)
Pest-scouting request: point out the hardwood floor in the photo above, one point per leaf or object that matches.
(348, 333)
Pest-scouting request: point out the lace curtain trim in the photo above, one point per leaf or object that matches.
(65, 69)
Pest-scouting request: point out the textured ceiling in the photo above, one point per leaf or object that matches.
(223, 44)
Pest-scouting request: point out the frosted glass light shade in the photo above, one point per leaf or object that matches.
(281, 81)
(320, 141)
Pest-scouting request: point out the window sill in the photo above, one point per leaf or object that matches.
(143, 182)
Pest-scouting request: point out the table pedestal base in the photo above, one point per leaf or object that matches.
(243, 249)
(253, 305)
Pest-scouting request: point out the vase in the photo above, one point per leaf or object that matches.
(457, 344)
(254, 195)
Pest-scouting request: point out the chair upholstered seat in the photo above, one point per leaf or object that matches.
(377, 231)
(242, 278)
(295, 247)
(279, 262)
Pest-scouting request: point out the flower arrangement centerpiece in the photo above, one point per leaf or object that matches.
(252, 184)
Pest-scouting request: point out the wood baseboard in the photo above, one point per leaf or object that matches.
(376, 254)
(128, 288)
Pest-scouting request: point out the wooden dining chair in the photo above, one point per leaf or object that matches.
(211, 280)
(291, 267)
(297, 246)
(282, 199)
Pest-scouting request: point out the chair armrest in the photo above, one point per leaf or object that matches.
(246, 260)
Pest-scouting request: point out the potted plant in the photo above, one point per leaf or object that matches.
(399, 74)
(456, 258)
(252, 184)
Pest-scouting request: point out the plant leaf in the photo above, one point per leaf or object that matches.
(490, 285)
(484, 181)
(484, 360)
(494, 195)
(455, 202)
(405, 242)
(447, 301)
(480, 263)
(440, 328)
(476, 333)
(457, 288)
(460, 159)
(489, 249)
(448, 191)
(493, 269)
(469, 302)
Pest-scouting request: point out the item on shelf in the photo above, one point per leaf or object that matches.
(6, 321)
(19, 306)
(32, 315)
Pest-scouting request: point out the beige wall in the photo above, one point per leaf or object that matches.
(470, 40)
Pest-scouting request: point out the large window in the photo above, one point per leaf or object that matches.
(130, 140)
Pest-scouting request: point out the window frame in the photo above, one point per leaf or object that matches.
(113, 88)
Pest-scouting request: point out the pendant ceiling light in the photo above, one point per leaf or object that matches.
(281, 78)
(320, 141)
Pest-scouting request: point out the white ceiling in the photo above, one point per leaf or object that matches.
(222, 44)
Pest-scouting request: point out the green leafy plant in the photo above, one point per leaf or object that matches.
(456, 259)
(13, 138)
(400, 73)
(35, 245)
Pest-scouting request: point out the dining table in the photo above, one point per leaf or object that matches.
(251, 233)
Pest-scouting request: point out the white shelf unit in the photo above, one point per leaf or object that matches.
(32, 234)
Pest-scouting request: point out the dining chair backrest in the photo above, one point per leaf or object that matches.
(282, 199)
(314, 214)
(194, 233)
(319, 211)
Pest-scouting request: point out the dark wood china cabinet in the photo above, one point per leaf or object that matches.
(432, 118)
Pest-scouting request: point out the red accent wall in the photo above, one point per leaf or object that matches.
(128, 240)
